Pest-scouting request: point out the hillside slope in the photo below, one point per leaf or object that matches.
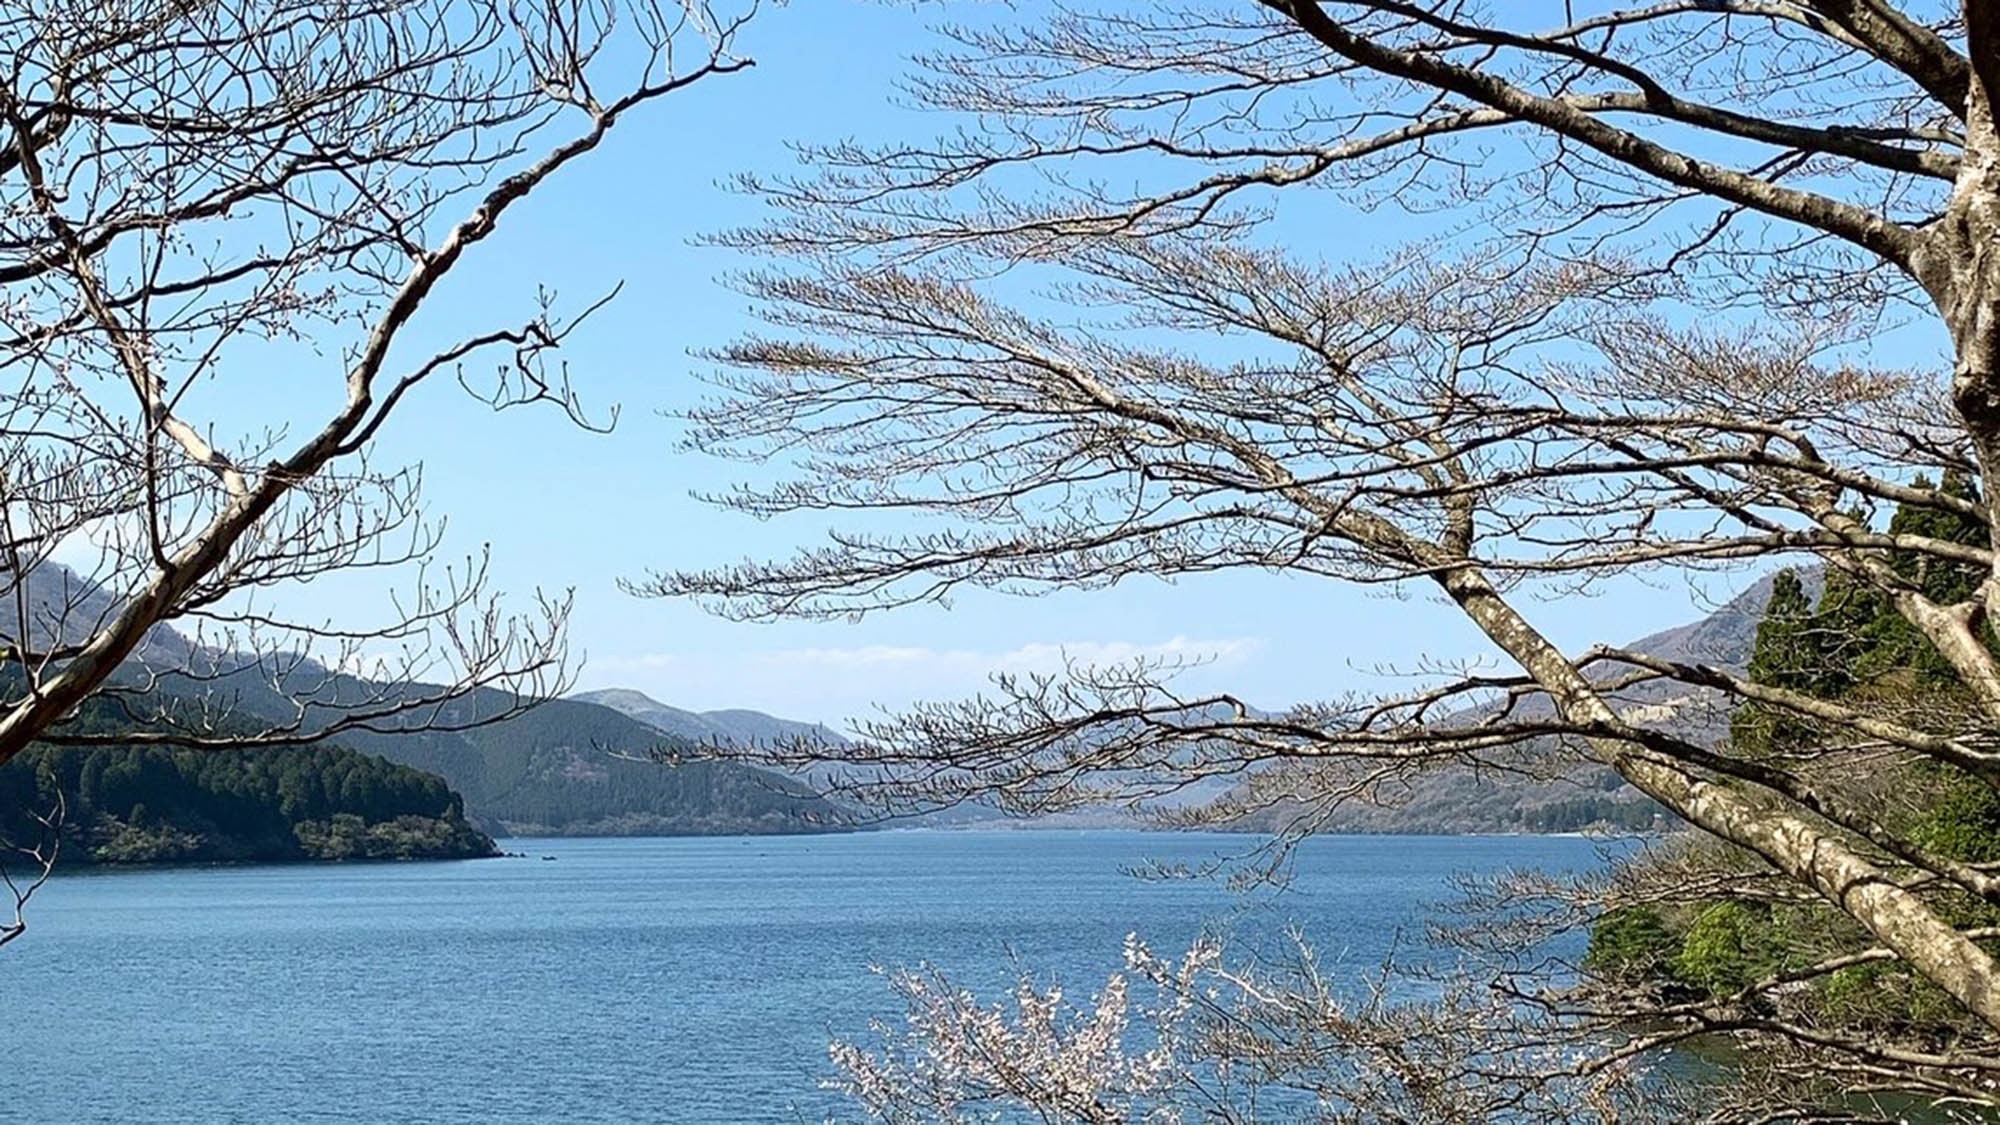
(552, 770)
(563, 767)
(721, 728)
(556, 770)
(1559, 791)
(125, 804)
(751, 729)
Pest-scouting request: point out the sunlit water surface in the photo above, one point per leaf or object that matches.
(629, 980)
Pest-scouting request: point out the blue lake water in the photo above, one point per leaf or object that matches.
(633, 980)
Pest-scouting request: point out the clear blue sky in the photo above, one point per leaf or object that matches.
(562, 508)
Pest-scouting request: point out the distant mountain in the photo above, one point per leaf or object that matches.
(557, 770)
(53, 606)
(720, 728)
(1725, 637)
(1555, 790)
(1546, 790)
(752, 729)
(564, 767)
(553, 770)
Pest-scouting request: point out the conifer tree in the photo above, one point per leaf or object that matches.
(1790, 652)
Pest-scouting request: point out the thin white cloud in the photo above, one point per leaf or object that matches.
(1027, 658)
(833, 683)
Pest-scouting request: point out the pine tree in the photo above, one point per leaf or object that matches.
(1790, 652)
(1894, 647)
(1853, 646)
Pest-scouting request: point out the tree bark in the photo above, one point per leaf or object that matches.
(1793, 844)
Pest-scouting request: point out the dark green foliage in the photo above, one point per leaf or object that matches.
(1884, 996)
(1728, 946)
(1892, 645)
(1854, 647)
(567, 768)
(1632, 944)
(1590, 811)
(134, 804)
(1942, 582)
(1788, 653)
(1962, 819)
(1792, 651)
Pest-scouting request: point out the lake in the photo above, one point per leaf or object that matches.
(659, 980)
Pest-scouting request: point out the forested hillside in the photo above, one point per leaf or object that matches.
(557, 769)
(563, 767)
(1846, 646)
(1547, 789)
(134, 804)
(554, 769)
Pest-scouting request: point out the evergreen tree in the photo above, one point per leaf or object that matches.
(1790, 652)
(126, 804)
(1852, 646)
(1892, 647)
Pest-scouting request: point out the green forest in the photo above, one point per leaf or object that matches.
(1850, 646)
(148, 804)
(571, 768)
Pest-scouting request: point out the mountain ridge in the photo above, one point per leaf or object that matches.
(734, 726)
(1559, 791)
(561, 767)
(574, 765)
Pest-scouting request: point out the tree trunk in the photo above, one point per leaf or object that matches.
(1799, 847)
(1958, 263)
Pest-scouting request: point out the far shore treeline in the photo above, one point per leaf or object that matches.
(131, 804)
